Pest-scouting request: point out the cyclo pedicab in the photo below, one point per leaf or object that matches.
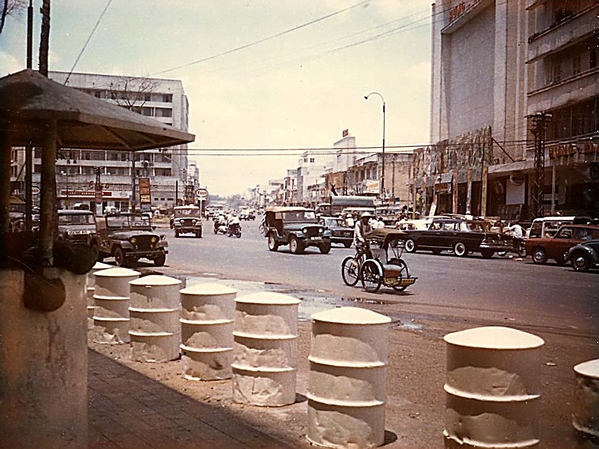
(385, 267)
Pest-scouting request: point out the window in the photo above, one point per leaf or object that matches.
(164, 112)
(556, 75)
(576, 65)
(311, 160)
(167, 98)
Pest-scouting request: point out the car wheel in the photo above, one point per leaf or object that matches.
(459, 249)
(350, 270)
(410, 246)
(272, 243)
(581, 261)
(295, 246)
(371, 275)
(159, 261)
(119, 257)
(325, 248)
(539, 256)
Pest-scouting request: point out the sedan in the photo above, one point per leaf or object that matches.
(567, 236)
(584, 255)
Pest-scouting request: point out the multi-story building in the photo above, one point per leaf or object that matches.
(500, 70)
(563, 86)
(478, 106)
(79, 171)
(311, 166)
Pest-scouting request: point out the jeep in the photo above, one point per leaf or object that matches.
(297, 227)
(77, 226)
(128, 238)
(187, 219)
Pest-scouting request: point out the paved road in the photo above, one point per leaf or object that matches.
(487, 291)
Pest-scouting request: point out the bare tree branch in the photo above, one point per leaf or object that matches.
(11, 7)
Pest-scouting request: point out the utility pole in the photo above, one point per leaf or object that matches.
(539, 128)
(133, 200)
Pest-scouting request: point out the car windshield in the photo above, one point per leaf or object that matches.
(300, 216)
(187, 212)
(128, 221)
(75, 219)
(472, 226)
(334, 222)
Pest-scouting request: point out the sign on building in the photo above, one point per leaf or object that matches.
(145, 193)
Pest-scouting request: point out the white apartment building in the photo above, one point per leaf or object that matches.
(311, 166)
(167, 169)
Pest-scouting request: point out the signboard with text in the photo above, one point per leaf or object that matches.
(145, 194)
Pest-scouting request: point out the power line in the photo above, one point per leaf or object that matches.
(259, 41)
(87, 41)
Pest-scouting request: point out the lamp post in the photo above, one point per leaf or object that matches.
(382, 193)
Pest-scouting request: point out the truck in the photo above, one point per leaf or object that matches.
(340, 202)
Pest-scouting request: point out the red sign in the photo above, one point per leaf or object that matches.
(345, 133)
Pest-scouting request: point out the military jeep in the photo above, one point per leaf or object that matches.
(187, 219)
(297, 227)
(130, 237)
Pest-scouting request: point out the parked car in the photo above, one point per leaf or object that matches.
(187, 220)
(77, 226)
(584, 256)
(247, 214)
(340, 232)
(297, 227)
(544, 248)
(461, 236)
(548, 226)
(130, 237)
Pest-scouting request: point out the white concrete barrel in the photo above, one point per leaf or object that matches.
(155, 309)
(91, 289)
(585, 418)
(207, 321)
(493, 388)
(265, 356)
(111, 305)
(347, 381)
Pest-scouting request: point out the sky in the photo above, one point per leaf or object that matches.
(274, 75)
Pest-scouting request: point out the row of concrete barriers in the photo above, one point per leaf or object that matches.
(493, 389)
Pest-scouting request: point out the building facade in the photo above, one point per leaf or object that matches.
(514, 110)
(80, 172)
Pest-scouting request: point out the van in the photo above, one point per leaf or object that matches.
(548, 226)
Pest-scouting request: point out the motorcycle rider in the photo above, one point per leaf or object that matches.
(233, 224)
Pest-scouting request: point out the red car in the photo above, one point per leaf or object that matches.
(567, 236)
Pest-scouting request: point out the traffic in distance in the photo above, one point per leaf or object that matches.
(129, 237)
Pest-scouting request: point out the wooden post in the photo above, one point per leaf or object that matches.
(48, 194)
(454, 192)
(5, 150)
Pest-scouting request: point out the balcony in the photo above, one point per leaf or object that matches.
(570, 90)
(561, 34)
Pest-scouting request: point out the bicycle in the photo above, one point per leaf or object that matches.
(350, 267)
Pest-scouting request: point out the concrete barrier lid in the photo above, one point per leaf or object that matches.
(267, 298)
(588, 369)
(350, 315)
(155, 279)
(208, 289)
(494, 337)
(117, 272)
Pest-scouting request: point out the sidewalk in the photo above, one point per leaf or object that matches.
(128, 410)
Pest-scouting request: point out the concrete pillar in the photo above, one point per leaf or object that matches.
(43, 367)
(585, 418)
(111, 305)
(154, 310)
(265, 357)
(91, 289)
(348, 369)
(493, 388)
(207, 321)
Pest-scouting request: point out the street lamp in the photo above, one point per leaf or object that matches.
(383, 157)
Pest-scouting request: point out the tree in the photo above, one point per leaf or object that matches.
(9, 8)
(45, 38)
(132, 93)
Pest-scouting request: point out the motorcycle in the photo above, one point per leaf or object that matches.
(220, 227)
(234, 230)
